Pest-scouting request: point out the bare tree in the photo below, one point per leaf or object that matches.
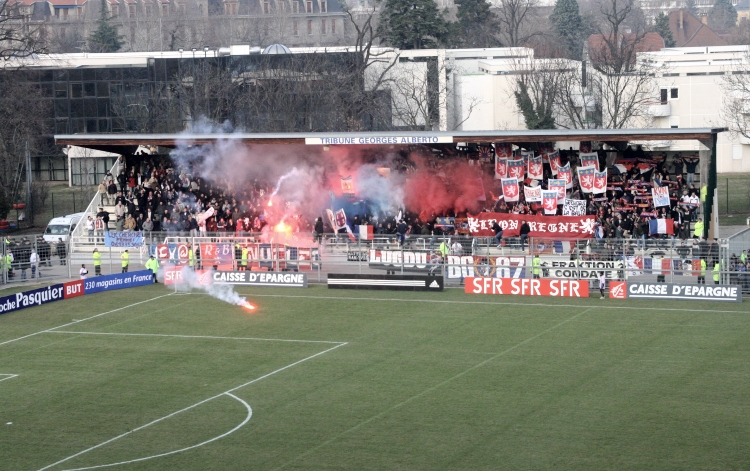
(538, 87)
(516, 19)
(735, 111)
(622, 82)
(18, 36)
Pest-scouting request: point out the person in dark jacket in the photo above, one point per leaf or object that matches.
(319, 229)
(525, 229)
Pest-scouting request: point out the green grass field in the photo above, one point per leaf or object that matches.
(363, 380)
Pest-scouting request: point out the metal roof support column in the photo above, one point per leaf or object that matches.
(710, 213)
(443, 92)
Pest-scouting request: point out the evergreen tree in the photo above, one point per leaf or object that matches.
(537, 116)
(476, 25)
(412, 24)
(661, 26)
(722, 16)
(568, 24)
(105, 37)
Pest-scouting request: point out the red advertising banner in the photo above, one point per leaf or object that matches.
(72, 289)
(551, 227)
(527, 287)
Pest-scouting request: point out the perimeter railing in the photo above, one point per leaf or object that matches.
(456, 258)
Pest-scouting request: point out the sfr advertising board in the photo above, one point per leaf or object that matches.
(527, 287)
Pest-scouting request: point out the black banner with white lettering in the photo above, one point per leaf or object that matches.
(391, 282)
(254, 278)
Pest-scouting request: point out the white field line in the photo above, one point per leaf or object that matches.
(7, 376)
(432, 388)
(247, 419)
(191, 336)
(194, 405)
(446, 301)
(82, 320)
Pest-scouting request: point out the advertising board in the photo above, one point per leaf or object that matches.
(117, 281)
(250, 278)
(680, 291)
(527, 287)
(389, 282)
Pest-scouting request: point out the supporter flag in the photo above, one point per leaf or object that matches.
(660, 194)
(645, 167)
(554, 161)
(340, 223)
(589, 160)
(619, 169)
(510, 189)
(586, 179)
(365, 232)
(584, 146)
(600, 182)
(549, 201)
(564, 173)
(504, 150)
(347, 185)
(533, 194)
(202, 217)
(485, 153)
(557, 184)
(331, 218)
(545, 152)
(535, 167)
(501, 167)
(661, 226)
(516, 169)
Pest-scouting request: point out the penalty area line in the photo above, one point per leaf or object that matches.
(491, 303)
(83, 320)
(227, 392)
(7, 376)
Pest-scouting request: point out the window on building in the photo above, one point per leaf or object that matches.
(115, 10)
(322, 26)
(131, 11)
(65, 14)
(663, 96)
(323, 6)
(674, 93)
(309, 6)
(668, 94)
(295, 28)
(295, 6)
(79, 10)
(309, 26)
(267, 8)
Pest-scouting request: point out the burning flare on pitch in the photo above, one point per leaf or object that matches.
(247, 305)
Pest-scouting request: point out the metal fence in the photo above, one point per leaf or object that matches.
(30, 257)
(454, 257)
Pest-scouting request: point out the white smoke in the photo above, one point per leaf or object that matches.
(224, 293)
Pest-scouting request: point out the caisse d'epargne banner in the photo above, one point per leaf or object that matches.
(551, 227)
(527, 287)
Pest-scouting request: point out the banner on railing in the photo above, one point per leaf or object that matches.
(562, 227)
(123, 239)
(527, 287)
(227, 256)
(39, 296)
(117, 281)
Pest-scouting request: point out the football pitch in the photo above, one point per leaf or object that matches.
(318, 379)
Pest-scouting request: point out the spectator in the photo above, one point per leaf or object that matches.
(83, 272)
(525, 229)
(61, 251)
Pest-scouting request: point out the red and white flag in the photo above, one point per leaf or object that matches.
(589, 160)
(535, 169)
(564, 173)
(516, 169)
(501, 167)
(600, 182)
(554, 161)
(558, 185)
(549, 201)
(510, 189)
(532, 194)
(504, 150)
(586, 179)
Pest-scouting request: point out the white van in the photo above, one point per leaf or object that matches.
(62, 227)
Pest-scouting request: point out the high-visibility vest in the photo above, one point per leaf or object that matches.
(125, 259)
(244, 256)
(97, 259)
(444, 249)
(152, 264)
(717, 269)
(703, 267)
(698, 231)
(191, 257)
(536, 263)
